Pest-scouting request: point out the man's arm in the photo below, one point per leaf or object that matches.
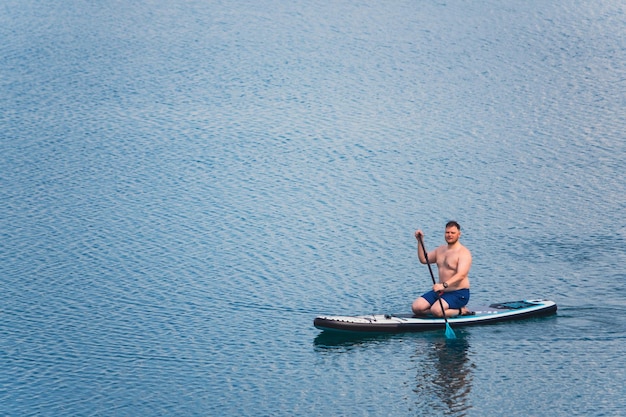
(432, 256)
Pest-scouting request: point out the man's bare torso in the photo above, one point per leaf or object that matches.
(448, 260)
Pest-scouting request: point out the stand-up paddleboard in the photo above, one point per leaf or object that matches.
(397, 323)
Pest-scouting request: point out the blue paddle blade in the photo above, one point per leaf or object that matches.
(449, 332)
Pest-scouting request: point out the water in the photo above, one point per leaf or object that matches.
(185, 185)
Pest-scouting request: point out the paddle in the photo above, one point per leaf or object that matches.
(449, 332)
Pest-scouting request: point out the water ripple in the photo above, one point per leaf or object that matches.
(185, 186)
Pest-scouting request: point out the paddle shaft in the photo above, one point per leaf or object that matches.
(432, 276)
(443, 311)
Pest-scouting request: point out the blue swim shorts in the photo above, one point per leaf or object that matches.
(455, 299)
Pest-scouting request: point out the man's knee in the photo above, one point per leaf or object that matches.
(420, 306)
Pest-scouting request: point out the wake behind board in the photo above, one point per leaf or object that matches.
(397, 323)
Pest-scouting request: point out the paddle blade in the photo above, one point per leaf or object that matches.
(449, 332)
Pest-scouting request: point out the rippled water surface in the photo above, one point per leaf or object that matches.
(185, 185)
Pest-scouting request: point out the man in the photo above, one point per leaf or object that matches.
(453, 264)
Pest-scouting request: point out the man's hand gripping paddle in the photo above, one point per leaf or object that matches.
(449, 332)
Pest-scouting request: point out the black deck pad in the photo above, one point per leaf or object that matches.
(512, 305)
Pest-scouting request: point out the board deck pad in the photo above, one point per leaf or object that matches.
(396, 323)
(512, 305)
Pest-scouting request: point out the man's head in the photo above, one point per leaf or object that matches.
(453, 232)
(453, 223)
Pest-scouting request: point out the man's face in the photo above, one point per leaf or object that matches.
(452, 235)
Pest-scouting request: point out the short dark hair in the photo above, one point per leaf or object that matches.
(453, 223)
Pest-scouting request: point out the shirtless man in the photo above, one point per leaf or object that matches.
(453, 263)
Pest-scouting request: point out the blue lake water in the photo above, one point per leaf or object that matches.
(185, 185)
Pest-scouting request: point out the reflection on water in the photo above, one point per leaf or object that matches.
(444, 377)
(347, 341)
(442, 367)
